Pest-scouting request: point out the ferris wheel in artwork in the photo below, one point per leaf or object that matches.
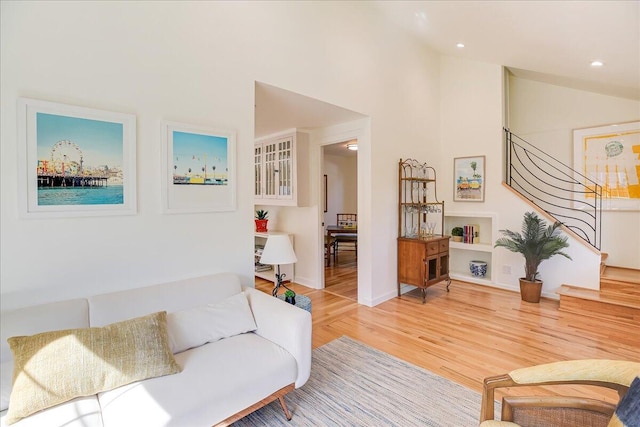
(66, 157)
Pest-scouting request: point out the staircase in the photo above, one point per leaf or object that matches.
(565, 195)
(554, 188)
(618, 299)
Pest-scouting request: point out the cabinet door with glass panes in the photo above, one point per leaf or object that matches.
(277, 160)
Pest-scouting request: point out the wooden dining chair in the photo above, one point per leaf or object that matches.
(329, 250)
(350, 240)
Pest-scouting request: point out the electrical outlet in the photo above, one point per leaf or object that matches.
(506, 269)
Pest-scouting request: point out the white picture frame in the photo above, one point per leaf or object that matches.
(468, 179)
(75, 161)
(198, 169)
(609, 156)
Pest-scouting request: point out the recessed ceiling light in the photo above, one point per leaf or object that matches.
(597, 64)
(352, 147)
(460, 45)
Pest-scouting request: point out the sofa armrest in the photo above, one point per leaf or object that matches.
(286, 325)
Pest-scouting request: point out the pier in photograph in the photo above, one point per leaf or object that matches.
(59, 180)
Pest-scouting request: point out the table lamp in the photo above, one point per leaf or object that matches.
(277, 251)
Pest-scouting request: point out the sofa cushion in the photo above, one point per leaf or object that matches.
(6, 375)
(54, 367)
(218, 380)
(69, 314)
(196, 326)
(117, 306)
(79, 412)
(627, 412)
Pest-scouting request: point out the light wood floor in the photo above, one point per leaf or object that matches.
(341, 277)
(469, 333)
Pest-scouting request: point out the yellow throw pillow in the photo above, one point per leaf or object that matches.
(53, 367)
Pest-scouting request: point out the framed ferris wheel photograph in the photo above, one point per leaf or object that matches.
(75, 161)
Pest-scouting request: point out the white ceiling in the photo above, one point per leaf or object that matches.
(550, 41)
(553, 41)
(278, 109)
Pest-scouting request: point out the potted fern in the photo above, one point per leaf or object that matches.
(261, 220)
(536, 243)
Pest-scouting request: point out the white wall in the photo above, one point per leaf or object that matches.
(297, 221)
(546, 115)
(196, 63)
(342, 184)
(472, 120)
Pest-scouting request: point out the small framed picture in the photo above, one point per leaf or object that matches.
(75, 161)
(199, 169)
(325, 194)
(468, 177)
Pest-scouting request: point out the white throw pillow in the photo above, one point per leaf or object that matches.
(197, 326)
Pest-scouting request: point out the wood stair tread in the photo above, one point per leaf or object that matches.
(618, 307)
(619, 287)
(621, 274)
(631, 300)
(617, 300)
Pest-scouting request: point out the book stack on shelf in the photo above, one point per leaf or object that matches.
(471, 233)
(259, 266)
(262, 267)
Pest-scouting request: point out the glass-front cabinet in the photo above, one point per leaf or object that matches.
(257, 170)
(423, 248)
(280, 167)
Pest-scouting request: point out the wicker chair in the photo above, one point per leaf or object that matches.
(558, 411)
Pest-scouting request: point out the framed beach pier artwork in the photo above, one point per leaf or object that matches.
(468, 176)
(75, 161)
(198, 169)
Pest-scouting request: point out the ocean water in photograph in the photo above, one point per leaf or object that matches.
(109, 195)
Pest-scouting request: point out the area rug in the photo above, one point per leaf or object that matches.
(352, 384)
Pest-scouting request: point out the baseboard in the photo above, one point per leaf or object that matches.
(308, 282)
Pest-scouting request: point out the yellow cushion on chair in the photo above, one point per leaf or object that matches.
(617, 371)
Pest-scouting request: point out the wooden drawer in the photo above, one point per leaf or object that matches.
(432, 248)
(444, 245)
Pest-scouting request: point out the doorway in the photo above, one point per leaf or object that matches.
(277, 109)
(340, 184)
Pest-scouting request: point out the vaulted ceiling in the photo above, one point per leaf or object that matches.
(551, 41)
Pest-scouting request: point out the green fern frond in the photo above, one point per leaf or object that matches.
(536, 242)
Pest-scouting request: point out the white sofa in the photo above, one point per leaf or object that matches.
(220, 381)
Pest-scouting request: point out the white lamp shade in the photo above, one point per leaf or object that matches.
(278, 250)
